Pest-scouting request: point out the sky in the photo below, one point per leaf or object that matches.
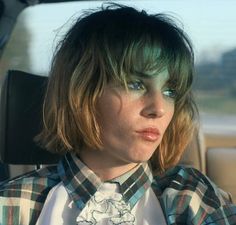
(210, 24)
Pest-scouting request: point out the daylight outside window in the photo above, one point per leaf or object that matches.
(210, 25)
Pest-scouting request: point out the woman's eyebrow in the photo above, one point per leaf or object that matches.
(143, 75)
(172, 82)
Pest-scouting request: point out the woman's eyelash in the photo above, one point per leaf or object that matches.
(170, 92)
(135, 85)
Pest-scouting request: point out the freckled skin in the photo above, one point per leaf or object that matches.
(121, 114)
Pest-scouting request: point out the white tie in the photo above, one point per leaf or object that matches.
(106, 208)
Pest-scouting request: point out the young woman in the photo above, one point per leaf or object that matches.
(119, 110)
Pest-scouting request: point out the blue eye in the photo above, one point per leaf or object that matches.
(135, 85)
(170, 93)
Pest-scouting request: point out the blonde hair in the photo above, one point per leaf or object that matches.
(108, 45)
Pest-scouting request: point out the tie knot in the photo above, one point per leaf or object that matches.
(106, 208)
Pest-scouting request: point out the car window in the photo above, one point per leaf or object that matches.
(209, 24)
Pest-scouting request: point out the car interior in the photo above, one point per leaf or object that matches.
(22, 91)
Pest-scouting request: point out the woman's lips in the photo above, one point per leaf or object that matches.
(149, 134)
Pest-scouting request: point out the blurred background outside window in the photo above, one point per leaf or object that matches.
(211, 26)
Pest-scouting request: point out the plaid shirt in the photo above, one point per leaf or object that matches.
(186, 196)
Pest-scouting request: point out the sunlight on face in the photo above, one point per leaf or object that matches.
(134, 121)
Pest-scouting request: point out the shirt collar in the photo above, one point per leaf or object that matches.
(82, 183)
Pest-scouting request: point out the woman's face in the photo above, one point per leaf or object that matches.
(134, 121)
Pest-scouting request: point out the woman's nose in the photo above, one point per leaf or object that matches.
(154, 105)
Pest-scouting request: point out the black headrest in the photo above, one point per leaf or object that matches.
(21, 119)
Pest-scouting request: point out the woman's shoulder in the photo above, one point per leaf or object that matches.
(30, 182)
(190, 181)
(25, 195)
(188, 195)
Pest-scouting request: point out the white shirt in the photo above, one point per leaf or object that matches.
(106, 207)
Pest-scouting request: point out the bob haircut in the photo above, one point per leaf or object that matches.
(107, 46)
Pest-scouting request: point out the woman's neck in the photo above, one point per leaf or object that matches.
(103, 167)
